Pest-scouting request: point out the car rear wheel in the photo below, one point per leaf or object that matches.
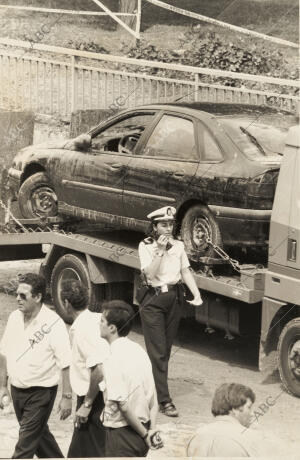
(37, 197)
(289, 356)
(197, 225)
(73, 267)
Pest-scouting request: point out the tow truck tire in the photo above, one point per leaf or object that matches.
(71, 266)
(37, 197)
(289, 335)
(197, 224)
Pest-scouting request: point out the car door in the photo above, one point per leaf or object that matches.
(215, 166)
(96, 179)
(162, 169)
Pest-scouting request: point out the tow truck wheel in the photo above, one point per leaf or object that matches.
(289, 356)
(197, 225)
(74, 267)
(37, 197)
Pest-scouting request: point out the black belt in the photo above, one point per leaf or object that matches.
(171, 287)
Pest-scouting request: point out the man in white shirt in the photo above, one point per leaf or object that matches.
(88, 351)
(35, 352)
(229, 435)
(130, 397)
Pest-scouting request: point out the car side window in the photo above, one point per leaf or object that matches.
(173, 137)
(211, 151)
(122, 136)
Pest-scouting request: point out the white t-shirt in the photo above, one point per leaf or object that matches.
(172, 262)
(127, 377)
(35, 354)
(88, 349)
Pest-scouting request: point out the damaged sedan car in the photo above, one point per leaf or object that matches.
(216, 163)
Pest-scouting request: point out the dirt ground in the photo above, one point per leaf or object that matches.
(199, 363)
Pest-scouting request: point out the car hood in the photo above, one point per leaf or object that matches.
(81, 143)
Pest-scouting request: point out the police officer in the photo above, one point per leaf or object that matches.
(165, 265)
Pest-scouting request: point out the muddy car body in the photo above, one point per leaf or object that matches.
(216, 163)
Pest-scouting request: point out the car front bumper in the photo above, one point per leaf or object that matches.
(14, 181)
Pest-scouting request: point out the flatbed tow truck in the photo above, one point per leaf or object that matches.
(262, 300)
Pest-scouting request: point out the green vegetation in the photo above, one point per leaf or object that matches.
(170, 37)
(274, 17)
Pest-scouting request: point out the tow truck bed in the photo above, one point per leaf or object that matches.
(247, 286)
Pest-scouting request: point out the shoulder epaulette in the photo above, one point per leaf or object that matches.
(148, 240)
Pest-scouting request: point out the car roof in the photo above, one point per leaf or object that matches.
(201, 110)
(216, 108)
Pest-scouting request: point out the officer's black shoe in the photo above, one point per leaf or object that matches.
(168, 409)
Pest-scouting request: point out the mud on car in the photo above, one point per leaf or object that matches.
(216, 163)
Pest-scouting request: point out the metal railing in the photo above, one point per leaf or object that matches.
(56, 80)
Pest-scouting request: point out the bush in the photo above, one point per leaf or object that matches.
(211, 50)
(87, 46)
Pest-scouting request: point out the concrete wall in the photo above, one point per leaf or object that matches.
(16, 132)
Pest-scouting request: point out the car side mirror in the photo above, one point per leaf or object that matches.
(82, 143)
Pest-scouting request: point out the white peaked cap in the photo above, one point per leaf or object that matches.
(166, 213)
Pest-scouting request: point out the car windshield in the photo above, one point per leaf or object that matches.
(258, 137)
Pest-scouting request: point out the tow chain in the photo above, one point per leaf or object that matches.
(234, 263)
(11, 216)
(39, 228)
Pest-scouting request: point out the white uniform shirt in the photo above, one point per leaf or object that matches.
(88, 349)
(225, 437)
(173, 261)
(127, 377)
(35, 354)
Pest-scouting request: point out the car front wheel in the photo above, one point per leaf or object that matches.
(37, 197)
(197, 226)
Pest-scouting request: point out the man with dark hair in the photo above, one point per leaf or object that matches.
(35, 351)
(229, 435)
(89, 350)
(232, 396)
(129, 390)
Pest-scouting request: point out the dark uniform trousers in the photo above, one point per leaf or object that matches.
(125, 442)
(160, 315)
(88, 440)
(33, 407)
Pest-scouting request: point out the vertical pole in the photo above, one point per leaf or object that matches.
(58, 88)
(138, 22)
(16, 85)
(73, 83)
(44, 88)
(2, 91)
(196, 87)
(23, 85)
(66, 89)
(51, 88)
(37, 86)
(29, 89)
(91, 89)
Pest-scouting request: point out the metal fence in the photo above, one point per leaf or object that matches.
(56, 81)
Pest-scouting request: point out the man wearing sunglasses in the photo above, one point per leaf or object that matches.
(34, 352)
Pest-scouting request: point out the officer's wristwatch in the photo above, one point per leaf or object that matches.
(67, 395)
(87, 404)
